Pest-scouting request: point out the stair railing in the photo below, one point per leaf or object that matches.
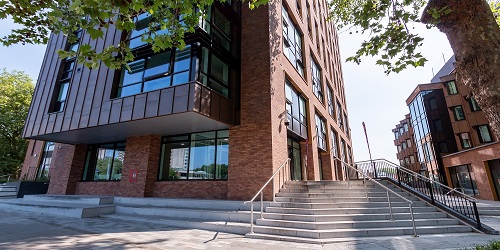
(451, 199)
(347, 166)
(283, 173)
(6, 175)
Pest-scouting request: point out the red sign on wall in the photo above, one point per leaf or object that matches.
(132, 177)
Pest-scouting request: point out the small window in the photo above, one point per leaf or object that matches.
(452, 88)
(321, 132)
(333, 139)
(339, 115)
(403, 145)
(474, 106)
(484, 134)
(331, 104)
(412, 159)
(408, 142)
(438, 125)
(316, 80)
(458, 113)
(443, 147)
(405, 127)
(433, 103)
(465, 140)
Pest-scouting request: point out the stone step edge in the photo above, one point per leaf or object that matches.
(186, 208)
(357, 222)
(20, 202)
(420, 229)
(309, 240)
(218, 226)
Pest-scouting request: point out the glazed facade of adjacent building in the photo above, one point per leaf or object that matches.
(208, 121)
(454, 142)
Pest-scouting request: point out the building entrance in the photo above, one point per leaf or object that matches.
(295, 163)
(495, 175)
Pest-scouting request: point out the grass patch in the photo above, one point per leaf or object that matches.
(493, 245)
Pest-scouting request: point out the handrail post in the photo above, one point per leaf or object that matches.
(431, 194)
(274, 192)
(366, 189)
(262, 205)
(390, 206)
(413, 220)
(251, 217)
(399, 176)
(476, 214)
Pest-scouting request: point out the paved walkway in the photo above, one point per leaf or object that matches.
(22, 230)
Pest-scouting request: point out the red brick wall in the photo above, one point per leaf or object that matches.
(477, 158)
(32, 159)
(66, 168)
(191, 189)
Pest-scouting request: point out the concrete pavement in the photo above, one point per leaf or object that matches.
(23, 230)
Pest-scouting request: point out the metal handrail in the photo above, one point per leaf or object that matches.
(287, 161)
(365, 176)
(8, 176)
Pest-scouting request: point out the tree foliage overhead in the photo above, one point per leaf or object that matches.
(16, 89)
(39, 18)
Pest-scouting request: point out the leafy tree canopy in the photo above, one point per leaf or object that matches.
(39, 18)
(16, 89)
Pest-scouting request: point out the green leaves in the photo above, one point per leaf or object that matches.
(16, 89)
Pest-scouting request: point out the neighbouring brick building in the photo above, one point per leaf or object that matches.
(208, 121)
(453, 138)
(404, 141)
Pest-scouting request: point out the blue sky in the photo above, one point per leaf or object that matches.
(372, 96)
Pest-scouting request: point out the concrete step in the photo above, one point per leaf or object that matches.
(340, 200)
(364, 232)
(184, 213)
(8, 188)
(8, 197)
(8, 193)
(340, 193)
(334, 195)
(332, 211)
(75, 210)
(346, 204)
(356, 224)
(187, 203)
(70, 199)
(351, 217)
(217, 226)
(329, 183)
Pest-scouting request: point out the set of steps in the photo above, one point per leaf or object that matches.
(214, 215)
(7, 192)
(488, 208)
(76, 206)
(327, 211)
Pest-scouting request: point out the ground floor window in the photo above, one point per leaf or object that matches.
(195, 156)
(463, 179)
(43, 169)
(104, 162)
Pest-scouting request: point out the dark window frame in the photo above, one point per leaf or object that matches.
(94, 149)
(481, 139)
(455, 109)
(451, 90)
(462, 140)
(295, 48)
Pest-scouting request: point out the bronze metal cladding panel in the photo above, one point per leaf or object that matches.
(181, 98)
(153, 100)
(197, 98)
(215, 107)
(128, 104)
(116, 110)
(139, 106)
(105, 111)
(166, 98)
(58, 122)
(205, 101)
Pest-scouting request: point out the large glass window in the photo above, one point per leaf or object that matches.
(464, 179)
(484, 134)
(292, 42)
(333, 139)
(195, 156)
(141, 28)
(155, 72)
(458, 112)
(296, 110)
(452, 88)
(44, 168)
(316, 80)
(214, 72)
(104, 162)
(218, 26)
(321, 132)
(465, 140)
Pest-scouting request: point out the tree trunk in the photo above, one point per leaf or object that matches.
(474, 37)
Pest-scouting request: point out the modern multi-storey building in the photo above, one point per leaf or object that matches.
(452, 135)
(212, 120)
(405, 143)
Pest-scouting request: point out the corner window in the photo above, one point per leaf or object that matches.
(214, 72)
(321, 132)
(458, 113)
(155, 72)
(465, 140)
(452, 87)
(296, 110)
(483, 131)
(104, 162)
(316, 80)
(218, 26)
(474, 106)
(292, 42)
(195, 157)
